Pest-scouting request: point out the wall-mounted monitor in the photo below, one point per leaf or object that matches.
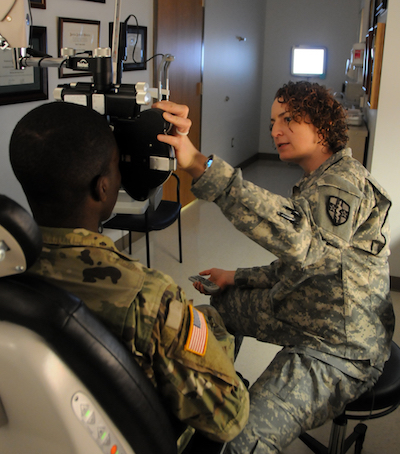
(309, 61)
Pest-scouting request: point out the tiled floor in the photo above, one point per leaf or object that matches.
(209, 240)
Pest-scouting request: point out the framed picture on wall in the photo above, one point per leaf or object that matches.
(372, 15)
(38, 4)
(29, 84)
(79, 34)
(377, 65)
(373, 64)
(97, 1)
(380, 7)
(136, 45)
(368, 61)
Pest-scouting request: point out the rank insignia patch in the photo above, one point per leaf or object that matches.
(338, 210)
(198, 333)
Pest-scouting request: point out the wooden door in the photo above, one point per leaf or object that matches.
(178, 30)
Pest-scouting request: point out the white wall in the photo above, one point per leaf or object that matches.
(232, 70)
(10, 114)
(385, 161)
(333, 24)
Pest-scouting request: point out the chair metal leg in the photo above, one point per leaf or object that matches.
(358, 436)
(146, 218)
(336, 440)
(148, 249)
(362, 429)
(338, 434)
(130, 242)
(180, 238)
(338, 444)
(313, 444)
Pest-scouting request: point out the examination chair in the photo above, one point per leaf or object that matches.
(67, 385)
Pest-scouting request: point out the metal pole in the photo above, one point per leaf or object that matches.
(115, 41)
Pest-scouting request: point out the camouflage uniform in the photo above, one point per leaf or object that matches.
(325, 299)
(150, 313)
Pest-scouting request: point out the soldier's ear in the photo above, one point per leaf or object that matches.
(99, 188)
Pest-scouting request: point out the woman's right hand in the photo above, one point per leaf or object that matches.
(189, 158)
(222, 278)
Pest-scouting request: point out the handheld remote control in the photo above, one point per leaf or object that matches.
(209, 286)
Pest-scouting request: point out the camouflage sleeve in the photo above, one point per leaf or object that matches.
(257, 277)
(279, 224)
(197, 378)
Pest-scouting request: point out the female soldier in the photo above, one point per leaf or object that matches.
(326, 298)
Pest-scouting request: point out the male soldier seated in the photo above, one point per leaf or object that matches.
(66, 159)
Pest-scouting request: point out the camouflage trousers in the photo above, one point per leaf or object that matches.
(294, 394)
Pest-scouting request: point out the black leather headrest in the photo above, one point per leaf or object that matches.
(20, 225)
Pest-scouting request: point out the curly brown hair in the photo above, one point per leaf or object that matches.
(314, 101)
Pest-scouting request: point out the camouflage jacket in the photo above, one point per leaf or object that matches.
(329, 287)
(186, 352)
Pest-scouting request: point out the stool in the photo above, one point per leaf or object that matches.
(381, 400)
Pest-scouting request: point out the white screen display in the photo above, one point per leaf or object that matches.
(308, 61)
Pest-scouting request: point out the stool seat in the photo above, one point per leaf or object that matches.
(386, 391)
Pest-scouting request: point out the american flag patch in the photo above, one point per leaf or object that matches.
(198, 333)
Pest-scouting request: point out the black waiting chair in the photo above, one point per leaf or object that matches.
(160, 218)
(381, 400)
(67, 384)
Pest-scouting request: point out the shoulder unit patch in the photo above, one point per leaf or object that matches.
(338, 210)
